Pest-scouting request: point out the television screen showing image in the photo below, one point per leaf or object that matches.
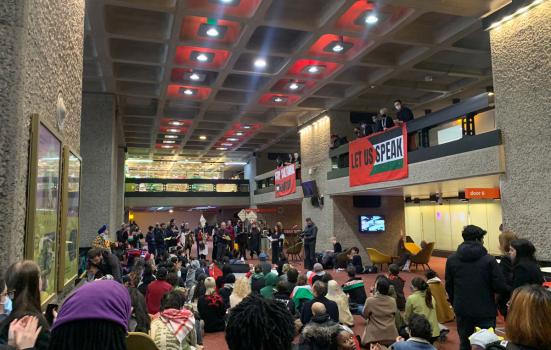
(309, 189)
(372, 223)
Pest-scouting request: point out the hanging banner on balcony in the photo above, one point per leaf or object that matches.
(285, 180)
(379, 157)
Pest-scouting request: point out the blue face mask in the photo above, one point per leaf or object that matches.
(8, 307)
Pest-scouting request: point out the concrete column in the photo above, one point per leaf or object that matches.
(521, 60)
(100, 167)
(249, 171)
(39, 60)
(121, 158)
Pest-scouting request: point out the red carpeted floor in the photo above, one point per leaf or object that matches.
(216, 341)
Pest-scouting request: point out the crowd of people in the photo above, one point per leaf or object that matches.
(175, 295)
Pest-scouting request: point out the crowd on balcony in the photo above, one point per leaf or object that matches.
(163, 288)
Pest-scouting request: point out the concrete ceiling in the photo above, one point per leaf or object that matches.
(424, 52)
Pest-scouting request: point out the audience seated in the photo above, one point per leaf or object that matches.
(107, 262)
(156, 290)
(258, 323)
(174, 326)
(257, 279)
(24, 332)
(241, 289)
(283, 295)
(346, 340)
(357, 260)
(139, 319)
(211, 308)
(421, 302)
(292, 278)
(316, 274)
(95, 316)
(336, 294)
(380, 311)
(398, 283)
(227, 289)
(444, 311)
(420, 334)
(301, 293)
(319, 290)
(265, 266)
(320, 331)
(355, 289)
(268, 290)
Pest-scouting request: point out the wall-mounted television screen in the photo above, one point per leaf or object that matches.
(309, 189)
(372, 223)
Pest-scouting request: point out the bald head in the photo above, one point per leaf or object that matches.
(318, 309)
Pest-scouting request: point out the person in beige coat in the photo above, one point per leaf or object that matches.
(336, 294)
(380, 312)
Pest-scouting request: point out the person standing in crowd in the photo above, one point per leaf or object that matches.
(473, 277)
(107, 263)
(380, 313)
(276, 238)
(241, 240)
(95, 316)
(319, 332)
(319, 289)
(201, 231)
(384, 122)
(159, 234)
(310, 235)
(222, 236)
(202, 246)
(150, 240)
(102, 239)
(525, 267)
(231, 233)
(264, 234)
(156, 290)
(421, 302)
(174, 326)
(258, 323)
(403, 113)
(254, 240)
(211, 308)
(336, 294)
(139, 320)
(23, 280)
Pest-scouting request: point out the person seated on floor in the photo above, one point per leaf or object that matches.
(319, 289)
(258, 323)
(380, 312)
(283, 295)
(268, 290)
(156, 290)
(357, 260)
(343, 259)
(242, 288)
(355, 289)
(211, 308)
(292, 277)
(266, 267)
(346, 339)
(220, 280)
(421, 302)
(320, 331)
(258, 280)
(329, 257)
(444, 310)
(316, 274)
(301, 293)
(174, 326)
(227, 289)
(420, 332)
(398, 283)
(336, 294)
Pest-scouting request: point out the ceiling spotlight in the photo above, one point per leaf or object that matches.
(260, 63)
(166, 146)
(169, 141)
(239, 133)
(314, 69)
(246, 126)
(171, 211)
(279, 99)
(293, 86)
(338, 46)
(202, 137)
(371, 19)
(194, 76)
(171, 137)
(225, 2)
(173, 130)
(203, 57)
(227, 144)
(176, 123)
(221, 148)
(232, 139)
(213, 32)
(188, 91)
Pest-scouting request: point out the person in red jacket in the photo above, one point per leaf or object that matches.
(156, 290)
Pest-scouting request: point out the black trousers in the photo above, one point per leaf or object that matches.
(242, 250)
(220, 251)
(466, 326)
(309, 254)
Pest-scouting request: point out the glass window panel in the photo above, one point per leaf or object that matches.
(177, 187)
(226, 188)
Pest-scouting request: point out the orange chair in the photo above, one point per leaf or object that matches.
(423, 257)
(378, 258)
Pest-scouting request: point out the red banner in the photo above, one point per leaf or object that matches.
(285, 180)
(379, 157)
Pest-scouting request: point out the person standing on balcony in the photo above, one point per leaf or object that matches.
(310, 235)
(403, 114)
(384, 122)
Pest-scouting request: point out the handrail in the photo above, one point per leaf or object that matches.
(265, 175)
(187, 181)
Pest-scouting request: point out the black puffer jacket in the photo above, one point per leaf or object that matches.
(318, 334)
(473, 277)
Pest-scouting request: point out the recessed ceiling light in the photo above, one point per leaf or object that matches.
(338, 46)
(194, 76)
(260, 63)
(173, 130)
(169, 141)
(202, 57)
(212, 32)
(314, 69)
(166, 146)
(227, 144)
(202, 137)
(239, 133)
(221, 148)
(371, 19)
(176, 123)
(171, 137)
(232, 139)
(279, 99)
(293, 86)
(188, 92)
(226, 2)
(246, 126)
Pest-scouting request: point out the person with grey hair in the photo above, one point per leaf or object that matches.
(319, 289)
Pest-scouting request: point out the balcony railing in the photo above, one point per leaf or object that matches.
(186, 188)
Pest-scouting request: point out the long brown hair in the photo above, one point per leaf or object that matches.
(529, 317)
(505, 239)
(422, 286)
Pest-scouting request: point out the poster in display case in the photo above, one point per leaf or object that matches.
(70, 218)
(43, 204)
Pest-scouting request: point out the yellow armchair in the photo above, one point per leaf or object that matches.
(379, 258)
(140, 341)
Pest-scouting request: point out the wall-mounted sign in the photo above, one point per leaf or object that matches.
(379, 157)
(482, 193)
(285, 180)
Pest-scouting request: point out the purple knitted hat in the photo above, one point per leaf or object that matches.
(98, 300)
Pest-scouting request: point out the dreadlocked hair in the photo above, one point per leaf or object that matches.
(88, 335)
(422, 286)
(258, 323)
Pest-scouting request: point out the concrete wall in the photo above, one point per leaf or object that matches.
(40, 57)
(521, 56)
(288, 214)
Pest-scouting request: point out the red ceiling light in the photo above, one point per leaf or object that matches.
(331, 45)
(278, 99)
(348, 21)
(363, 15)
(223, 8)
(188, 92)
(201, 57)
(212, 30)
(313, 69)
